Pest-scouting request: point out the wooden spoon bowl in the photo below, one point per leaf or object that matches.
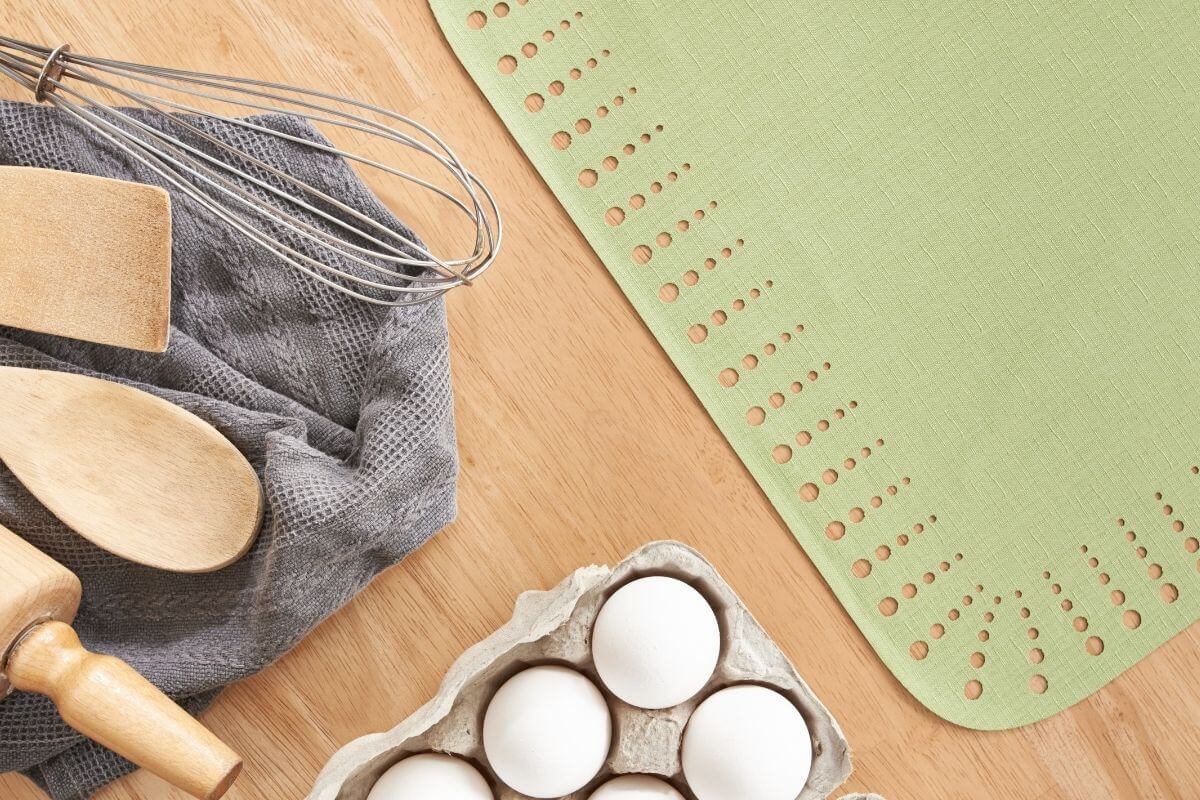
(130, 472)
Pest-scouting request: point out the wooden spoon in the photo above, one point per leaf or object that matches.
(85, 257)
(130, 472)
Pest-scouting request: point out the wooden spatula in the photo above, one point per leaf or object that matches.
(128, 471)
(99, 696)
(86, 258)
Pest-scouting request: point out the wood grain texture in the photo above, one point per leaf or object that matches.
(579, 442)
(85, 257)
(130, 472)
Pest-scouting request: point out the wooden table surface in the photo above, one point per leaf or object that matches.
(579, 442)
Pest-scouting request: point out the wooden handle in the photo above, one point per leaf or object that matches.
(33, 588)
(106, 700)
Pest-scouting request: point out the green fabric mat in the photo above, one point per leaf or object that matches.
(932, 269)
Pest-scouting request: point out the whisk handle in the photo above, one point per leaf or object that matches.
(52, 70)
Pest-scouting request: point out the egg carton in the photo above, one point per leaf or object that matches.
(554, 627)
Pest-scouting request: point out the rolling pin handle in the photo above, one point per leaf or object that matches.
(108, 701)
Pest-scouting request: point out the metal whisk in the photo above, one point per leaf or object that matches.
(346, 249)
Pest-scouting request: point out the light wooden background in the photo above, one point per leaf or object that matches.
(579, 442)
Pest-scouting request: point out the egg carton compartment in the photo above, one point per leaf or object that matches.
(555, 627)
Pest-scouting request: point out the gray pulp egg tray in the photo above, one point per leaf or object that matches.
(555, 627)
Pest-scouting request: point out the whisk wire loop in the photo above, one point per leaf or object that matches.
(308, 228)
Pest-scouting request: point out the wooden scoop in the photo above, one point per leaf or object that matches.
(84, 257)
(101, 697)
(128, 471)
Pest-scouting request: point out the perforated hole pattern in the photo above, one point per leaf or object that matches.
(985, 652)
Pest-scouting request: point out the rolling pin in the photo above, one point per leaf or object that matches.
(100, 696)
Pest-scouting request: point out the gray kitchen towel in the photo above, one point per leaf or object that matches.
(344, 409)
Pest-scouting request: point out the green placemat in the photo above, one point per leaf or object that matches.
(932, 269)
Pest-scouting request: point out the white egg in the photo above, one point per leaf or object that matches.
(746, 741)
(429, 775)
(656, 642)
(636, 787)
(547, 731)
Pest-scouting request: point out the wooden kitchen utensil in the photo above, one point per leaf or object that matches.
(128, 471)
(100, 696)
(84, 257)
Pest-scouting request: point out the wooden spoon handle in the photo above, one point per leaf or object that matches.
(106, 700)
